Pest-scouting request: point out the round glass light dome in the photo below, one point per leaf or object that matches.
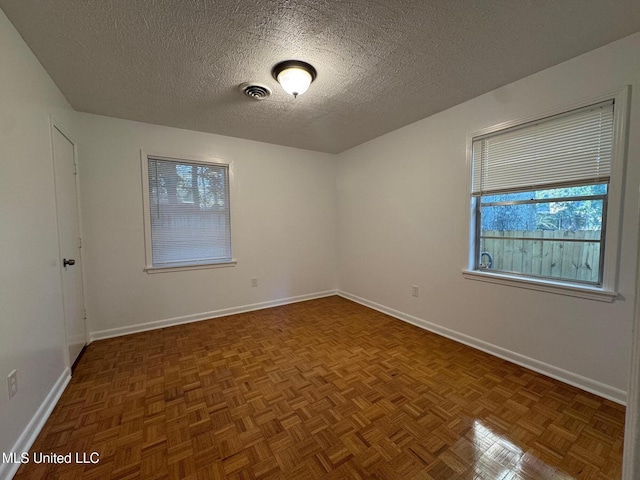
(294, 76)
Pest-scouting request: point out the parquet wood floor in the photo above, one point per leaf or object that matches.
(320, 389)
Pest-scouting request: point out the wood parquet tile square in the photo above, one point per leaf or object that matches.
(324, 389)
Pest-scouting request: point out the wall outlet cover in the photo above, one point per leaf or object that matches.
(12, 383)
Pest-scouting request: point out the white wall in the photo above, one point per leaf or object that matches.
(402, 201)
(32, 338)
(283, 225)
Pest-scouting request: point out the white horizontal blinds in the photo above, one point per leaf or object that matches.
(189, 210)
(566, 149)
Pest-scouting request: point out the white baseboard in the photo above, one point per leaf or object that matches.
(169, 322)
(584, 383)
(31, 432)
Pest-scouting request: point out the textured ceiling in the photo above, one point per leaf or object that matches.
(382, 64)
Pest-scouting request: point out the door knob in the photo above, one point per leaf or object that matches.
(66, 262)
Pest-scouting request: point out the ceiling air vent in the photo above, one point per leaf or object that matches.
(255, 91)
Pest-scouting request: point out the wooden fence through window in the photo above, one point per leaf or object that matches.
(559, 255)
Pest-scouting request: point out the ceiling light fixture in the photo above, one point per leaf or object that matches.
(294, 76)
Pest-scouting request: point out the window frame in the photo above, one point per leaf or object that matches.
(612, 211)
(145, 156)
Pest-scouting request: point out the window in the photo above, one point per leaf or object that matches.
(545, 195)
(552, 233)
(188, 214)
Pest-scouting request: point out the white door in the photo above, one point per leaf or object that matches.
(69, 238)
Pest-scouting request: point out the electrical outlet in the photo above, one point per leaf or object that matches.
(12, 383)
(254, 282)
(415, 291)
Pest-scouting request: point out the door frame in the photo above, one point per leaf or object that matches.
(631, 447)
(56, 125)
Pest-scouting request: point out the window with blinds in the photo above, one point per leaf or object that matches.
(540, 193)
(188, 212)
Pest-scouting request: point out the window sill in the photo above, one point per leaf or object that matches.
(560, 288)
(184, 268)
